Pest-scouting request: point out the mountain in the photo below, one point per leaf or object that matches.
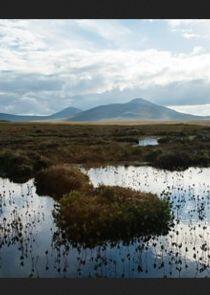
(136, 109)
(65, 114)
(61, 115)
(19, 118)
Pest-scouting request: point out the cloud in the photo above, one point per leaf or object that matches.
(191, 28)
(198, 110)
(189, 35)
(110, 30)
(109, 70)
(33, 103)
(46, 65)
(182, 93)
(11, 81)
(175, 93)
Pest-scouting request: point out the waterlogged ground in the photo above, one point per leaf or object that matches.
(29, 245)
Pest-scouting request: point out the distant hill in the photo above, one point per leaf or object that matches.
(62, 115)
(18, 118)
(65, 114)
(136, 109)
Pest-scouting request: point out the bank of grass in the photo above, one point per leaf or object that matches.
(111, 214)
(19, 166)
(27, 148)
(15, 166)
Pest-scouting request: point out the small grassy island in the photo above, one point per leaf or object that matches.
(92, 216)
(111, 214)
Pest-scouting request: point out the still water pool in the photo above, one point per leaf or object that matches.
(147, 141)
(28, 244)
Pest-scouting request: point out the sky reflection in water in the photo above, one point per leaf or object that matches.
(27, 247)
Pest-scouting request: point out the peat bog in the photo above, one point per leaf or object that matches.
(27, 148)
(69, 184)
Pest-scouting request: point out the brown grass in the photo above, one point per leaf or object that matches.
(43, 144)
(58, 180)
(111, 214)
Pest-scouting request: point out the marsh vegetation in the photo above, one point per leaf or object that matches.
(90, 216)
(59, 191)
(58, 180)
(27, 148)
(109, 214)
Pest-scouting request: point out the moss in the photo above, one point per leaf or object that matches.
(58, 180)
(109, 214)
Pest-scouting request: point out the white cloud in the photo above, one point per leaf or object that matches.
(191, 28)
(186, 22)
(189, 35)
(129, 69)
(110, 30)
(199, 110)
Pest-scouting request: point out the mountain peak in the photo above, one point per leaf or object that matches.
(66, 113)
(136, 109)
(138, 100)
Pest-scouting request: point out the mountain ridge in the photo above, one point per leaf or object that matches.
(135, 109)
(64, 114)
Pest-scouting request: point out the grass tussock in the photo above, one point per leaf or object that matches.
(108, 214)
(173, 160)
(15, 166)
(58, 180)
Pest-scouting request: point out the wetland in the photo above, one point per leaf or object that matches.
(87, 201)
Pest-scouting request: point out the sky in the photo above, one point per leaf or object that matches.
(48, 65)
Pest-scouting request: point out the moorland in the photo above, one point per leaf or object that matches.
(52, 153)
(27, 148)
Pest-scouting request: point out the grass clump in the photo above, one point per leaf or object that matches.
(39, 161)
(152, 155)
(109, 214)
(58, 180)
(175, 160)
(15, 166)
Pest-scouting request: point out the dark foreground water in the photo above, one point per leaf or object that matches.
(27, 230)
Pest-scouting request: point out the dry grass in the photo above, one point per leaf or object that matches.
(126, 123)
